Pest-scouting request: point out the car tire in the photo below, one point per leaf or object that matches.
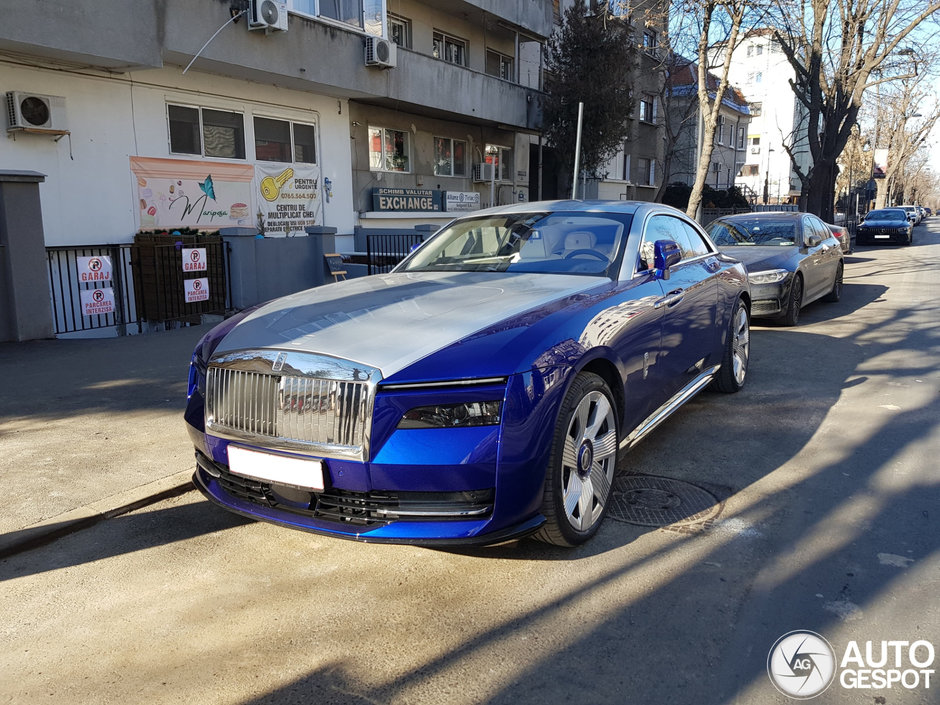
(836, 293)
(794, 302)
(582, 463)
(733, 372)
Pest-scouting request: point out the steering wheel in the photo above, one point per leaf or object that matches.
(585, 251)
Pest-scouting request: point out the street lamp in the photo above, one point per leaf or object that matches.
(767, 177)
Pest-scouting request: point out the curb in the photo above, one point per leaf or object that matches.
(51, 530)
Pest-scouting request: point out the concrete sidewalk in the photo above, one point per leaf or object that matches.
(90, 429)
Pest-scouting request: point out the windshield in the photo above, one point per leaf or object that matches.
(562, 242)
(753, 231)
(891, 214)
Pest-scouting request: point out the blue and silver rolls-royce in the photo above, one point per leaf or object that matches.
(481, 391)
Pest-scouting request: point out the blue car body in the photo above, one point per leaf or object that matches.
(428, 400)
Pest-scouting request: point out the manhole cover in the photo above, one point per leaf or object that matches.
(660, 501)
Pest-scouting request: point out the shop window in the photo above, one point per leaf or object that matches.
(284, 141)
(450, 49)
(206, 132)
(450, 157)
(499, 65)
(388, 150)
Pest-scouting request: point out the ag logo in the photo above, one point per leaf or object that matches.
(801, 664)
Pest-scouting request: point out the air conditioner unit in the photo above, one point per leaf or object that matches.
(482, 172)
(381, 52)
(31, 111)
(269, 15)
(755, 150)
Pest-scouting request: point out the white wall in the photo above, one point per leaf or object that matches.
(89, 195)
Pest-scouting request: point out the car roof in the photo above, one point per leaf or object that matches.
(776, 215)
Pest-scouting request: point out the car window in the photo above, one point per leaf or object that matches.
(662, 227)
(819, 227)
(698, 246)
(754, 230)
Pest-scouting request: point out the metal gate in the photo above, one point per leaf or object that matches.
(148, 286)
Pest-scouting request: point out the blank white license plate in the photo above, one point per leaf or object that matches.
(882, 237)
(280, 469)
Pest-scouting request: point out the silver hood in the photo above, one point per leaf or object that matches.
(391, 321)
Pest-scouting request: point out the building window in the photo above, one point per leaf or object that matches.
(388, 150)
(619, 8)
(284, 141)
(450, 49)
(741, 138)
(647, 109)
(364, 14)
(399, 30)
(450, 157)
(750, 51)
(502, 158)
(499, 65)
(647, 169)
(760, 49)
(758, 77)
(206, 132)
(749, 170)
(650, 42)
(720, 128)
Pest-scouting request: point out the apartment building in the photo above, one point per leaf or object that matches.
(761, 70)
(686, 124)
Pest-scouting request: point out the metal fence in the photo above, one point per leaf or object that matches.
(385, 251)
(147, 282)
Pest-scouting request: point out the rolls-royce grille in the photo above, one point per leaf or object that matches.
(296, 409)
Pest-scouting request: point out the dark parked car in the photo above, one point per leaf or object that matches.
(792, 259)
(885, 225)
(483, 390)
(843, 236)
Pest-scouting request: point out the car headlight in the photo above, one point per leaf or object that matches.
(767, 276)
(474, 413)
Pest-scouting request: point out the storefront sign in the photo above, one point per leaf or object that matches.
(407, 199)
(288, 197)
(194, 259)
(94, 269)
(175, 193)
(97, 302)
(196, 290)
(462, 200)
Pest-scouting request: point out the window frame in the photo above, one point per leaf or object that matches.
(648, 173)
(384, 150)
(392, 18)
(453, 158)
(501, 161)
(647, 115)
(503, 59)
(202, 132)
(293, 139)
(445, 37)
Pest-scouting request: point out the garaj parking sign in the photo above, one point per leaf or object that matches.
(194, 259)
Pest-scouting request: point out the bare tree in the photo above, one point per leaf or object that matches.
(838, 49)
(905, 135)
(721, 23)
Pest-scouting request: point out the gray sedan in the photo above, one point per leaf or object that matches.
(792, 259)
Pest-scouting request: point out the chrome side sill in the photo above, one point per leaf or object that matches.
(666, 410)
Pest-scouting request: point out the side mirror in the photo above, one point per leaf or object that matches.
(666, 253)
(812, 240)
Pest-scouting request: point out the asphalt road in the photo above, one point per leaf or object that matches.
(827, 475)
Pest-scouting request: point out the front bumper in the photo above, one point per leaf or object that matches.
(769, 300)
(440, 486)
(882, 235)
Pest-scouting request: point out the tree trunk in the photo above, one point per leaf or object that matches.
(821, 192)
